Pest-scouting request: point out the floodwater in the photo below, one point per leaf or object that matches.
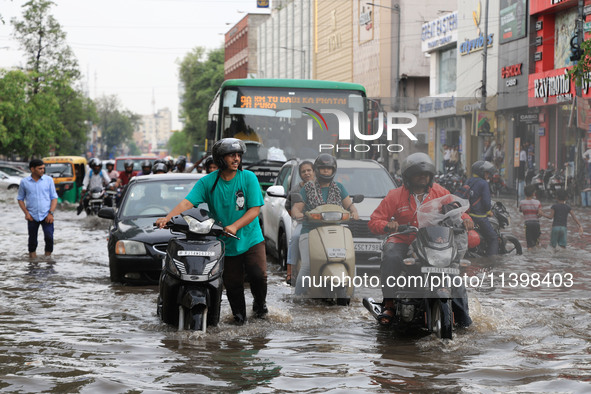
(65, 328)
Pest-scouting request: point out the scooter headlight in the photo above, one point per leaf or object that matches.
(197, 227)
(130, 247)
(212, 268)
(439, 258)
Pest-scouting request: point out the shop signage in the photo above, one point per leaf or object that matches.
(541, 131)
(538, 56)
(430, 107)
(539, 41)
(511, 71)
(539, 25)
(550, 87)
(439, 32)
(528, 118)
(477, 44)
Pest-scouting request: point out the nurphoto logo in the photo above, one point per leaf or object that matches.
(393, 120)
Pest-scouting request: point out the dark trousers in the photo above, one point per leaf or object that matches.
(489, 234)
(532, 233)
(33, 228)
(253, 262)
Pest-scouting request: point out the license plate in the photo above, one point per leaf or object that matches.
(440, 270)
(339, 253)
(367, 247)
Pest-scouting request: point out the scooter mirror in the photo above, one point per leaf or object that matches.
(357, 198)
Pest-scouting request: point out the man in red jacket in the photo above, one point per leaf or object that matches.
(399, 207)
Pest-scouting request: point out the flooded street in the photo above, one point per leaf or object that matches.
(65, 328)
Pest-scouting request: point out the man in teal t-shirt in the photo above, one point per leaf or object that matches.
(234, 198)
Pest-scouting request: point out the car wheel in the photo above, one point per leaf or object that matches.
(282, 250)
(13, 187)
(114, 272)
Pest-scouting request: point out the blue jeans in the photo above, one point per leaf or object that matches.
(558, 236)
(293, 249)
(33, 228)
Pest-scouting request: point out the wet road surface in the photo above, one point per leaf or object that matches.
(65, 328)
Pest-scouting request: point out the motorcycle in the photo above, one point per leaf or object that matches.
(190, 284)
(508, 243)
(95, 200)
(555, 182)
(332, 254)
(538, 181)
(435, 258)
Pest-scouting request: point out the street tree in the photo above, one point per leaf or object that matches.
(201, 77)
(28, 124)
(116, 124)
(178, 144)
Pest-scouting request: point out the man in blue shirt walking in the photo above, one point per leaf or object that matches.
(38, 199)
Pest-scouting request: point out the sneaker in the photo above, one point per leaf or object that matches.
(260, 311)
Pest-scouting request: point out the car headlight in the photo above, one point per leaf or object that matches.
(197, 227)
(130, 248)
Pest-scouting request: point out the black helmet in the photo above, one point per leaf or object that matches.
(325, 160)
(488, 167)
(208, 161)
(415, 164)
(182, 160)
(477, 168)
(224, 147)
(159, 167)
(161, 161)
(127, 164)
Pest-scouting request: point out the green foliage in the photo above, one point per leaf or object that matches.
(117, 125)
(178, 144)
(201, 80)
(41, 110)
(29, 124)
(582, 70)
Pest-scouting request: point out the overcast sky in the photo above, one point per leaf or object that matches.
(130, 48)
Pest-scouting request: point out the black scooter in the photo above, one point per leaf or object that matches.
(190, 286)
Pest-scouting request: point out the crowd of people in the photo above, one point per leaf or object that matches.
(234, 198)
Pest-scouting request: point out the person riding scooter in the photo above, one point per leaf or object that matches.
(322, 191)
(480, 203)
(399, 207)
(146, 167)
(96, 177)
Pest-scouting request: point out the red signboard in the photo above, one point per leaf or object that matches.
(550, 87)
(538, 6)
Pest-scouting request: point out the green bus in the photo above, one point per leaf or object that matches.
(279, 119)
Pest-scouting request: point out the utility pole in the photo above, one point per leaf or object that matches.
(484, 57)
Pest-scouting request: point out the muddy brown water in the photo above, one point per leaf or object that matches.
(64, 327)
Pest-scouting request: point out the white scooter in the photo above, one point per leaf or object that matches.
(332, 255)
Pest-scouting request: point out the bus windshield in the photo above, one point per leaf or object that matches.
(275, 122)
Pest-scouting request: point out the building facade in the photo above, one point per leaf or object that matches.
(240, 47)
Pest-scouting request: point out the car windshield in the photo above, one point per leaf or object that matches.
(58, 170)
(155, 198)
(13, 171)
(371, 182)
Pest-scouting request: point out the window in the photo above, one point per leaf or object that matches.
(447, 70)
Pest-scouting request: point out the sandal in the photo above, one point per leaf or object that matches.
(288, 276)
(386, 317)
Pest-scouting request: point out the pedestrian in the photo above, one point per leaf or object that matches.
(499, 156)
(487, 151)
(234, 198)
(454, 158)
(446, 157)
(587, 158)
(306, 171)
(532, 210)
(38, 199)
(559, 213)
(521, 170)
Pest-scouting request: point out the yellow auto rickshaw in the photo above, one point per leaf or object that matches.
(68, 174)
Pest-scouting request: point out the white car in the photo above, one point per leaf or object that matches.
(366, 177)
(9, 182)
